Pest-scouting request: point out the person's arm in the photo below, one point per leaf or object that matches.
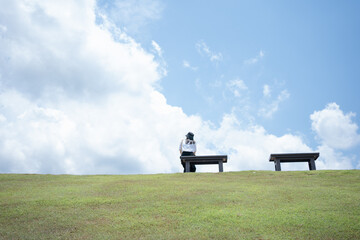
(180, 147)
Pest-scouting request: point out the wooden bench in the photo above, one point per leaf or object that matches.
(198, 160)
(294, 157)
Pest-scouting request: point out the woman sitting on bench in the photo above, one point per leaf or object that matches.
(188, 148)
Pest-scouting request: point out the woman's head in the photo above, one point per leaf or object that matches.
(190, 136)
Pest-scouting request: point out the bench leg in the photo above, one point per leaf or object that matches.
(277, 165)
(187, 166)
(221, 169)
(312, 164)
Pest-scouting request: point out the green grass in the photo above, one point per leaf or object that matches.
(236, 205)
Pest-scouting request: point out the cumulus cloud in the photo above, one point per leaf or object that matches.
(330, 158)
(336, 132)
(79, 78)
(203, 49)
(334, 128)
(248, 147)
(77, 96)
(68, 53)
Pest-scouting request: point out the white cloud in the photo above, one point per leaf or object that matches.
(238, 83)
(69, 54)
(186, 64)
(247, 147)
(337, 132)
(332, 159)
(334, 128)
(79, 98)
(157, 48)
(269, 109)
(266, 91)
(162, 63)
(261, 54)
(100, 86)
(254, 60)
(237, 86)
(202, 48)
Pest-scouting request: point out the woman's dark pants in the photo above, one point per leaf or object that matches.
(192, 165)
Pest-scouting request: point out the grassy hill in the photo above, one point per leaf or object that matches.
(236, 205)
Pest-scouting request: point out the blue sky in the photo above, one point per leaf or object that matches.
(309, 49)
(99, 86)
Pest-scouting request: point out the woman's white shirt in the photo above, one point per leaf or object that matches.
(187, 146)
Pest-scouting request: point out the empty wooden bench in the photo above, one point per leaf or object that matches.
(294, 157)
(198, 160)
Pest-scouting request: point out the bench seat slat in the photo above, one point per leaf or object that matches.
(204, 158)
